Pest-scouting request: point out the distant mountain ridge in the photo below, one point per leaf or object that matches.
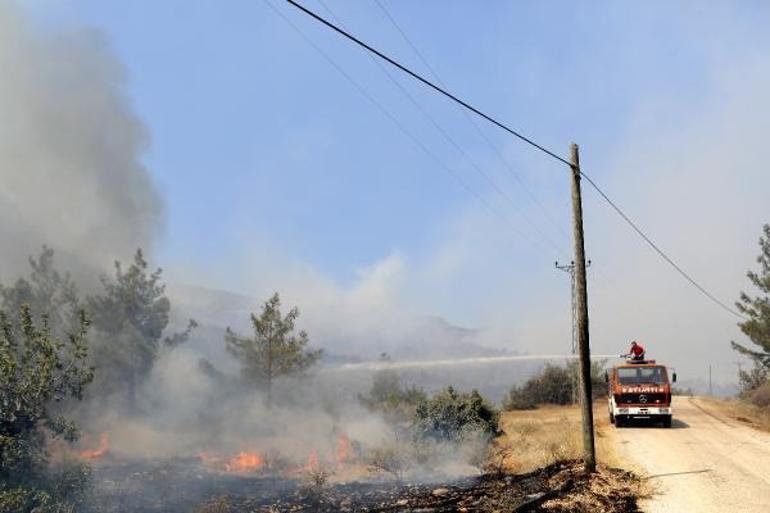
(403, 338)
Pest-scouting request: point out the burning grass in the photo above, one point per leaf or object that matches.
(532, 464)
(97, 452)
(342, 462)
(561, 487)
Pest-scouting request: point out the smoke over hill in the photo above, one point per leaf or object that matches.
(399, 335)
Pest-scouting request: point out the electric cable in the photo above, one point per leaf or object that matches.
(473, 122)
(451, 140)
(403, 128)
(516, 134)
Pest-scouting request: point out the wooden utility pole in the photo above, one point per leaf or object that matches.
(589, 451)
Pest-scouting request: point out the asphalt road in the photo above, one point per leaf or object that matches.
(704, 463)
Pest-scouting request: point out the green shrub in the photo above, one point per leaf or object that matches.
(388, 395)
(753, 379)
(553, 385)
(37, 371)
(520, 398)
(453, 417)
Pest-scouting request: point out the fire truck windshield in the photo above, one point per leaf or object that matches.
(640, 375)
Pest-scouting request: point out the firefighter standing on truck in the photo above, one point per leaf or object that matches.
(637, 351)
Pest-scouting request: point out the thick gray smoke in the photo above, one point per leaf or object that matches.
(70, 150)
(72, 179)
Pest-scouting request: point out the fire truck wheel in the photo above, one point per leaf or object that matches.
(619, 421)
(612, 418)
(667, 421)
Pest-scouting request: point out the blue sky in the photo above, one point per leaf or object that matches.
(273, 168)
(250, 127)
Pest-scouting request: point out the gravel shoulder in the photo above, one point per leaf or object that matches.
(706, 462)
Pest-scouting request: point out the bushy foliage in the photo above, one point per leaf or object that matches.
(37, 371)
(520, 398)
(757, 309)
(389, 396)
(275, 350)
(47, 292)
(452, 416)
(553, 385)
(753, 379)
(131, 317)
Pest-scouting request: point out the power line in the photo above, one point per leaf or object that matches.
(522, 138)
(426, 81)
(472, 121)
(401, 127)
(475, 125)
(449, 138)
(657, 249)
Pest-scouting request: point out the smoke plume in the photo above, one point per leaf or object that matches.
(70, 149)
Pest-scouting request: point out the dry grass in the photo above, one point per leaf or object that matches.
(608, 490)
(535, 438)
(739, 410)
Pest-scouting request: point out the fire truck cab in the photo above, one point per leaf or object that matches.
(639, 389)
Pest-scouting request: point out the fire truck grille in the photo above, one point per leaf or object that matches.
(651, 399)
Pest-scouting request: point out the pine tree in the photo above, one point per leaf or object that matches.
(130, 318)
(47, 293)
(274, 350)
(757, 309)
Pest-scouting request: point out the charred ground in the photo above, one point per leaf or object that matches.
(183, 487)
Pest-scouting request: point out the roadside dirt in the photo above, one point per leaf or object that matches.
(705, 462)
(742, 411)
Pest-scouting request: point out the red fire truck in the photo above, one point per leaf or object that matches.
(639, 389)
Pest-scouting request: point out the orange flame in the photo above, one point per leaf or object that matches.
(100, 451)
(312, 461)
(244, 462)
(345, 450)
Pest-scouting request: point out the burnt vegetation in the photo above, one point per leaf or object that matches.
(557, 488)
(69, 359)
